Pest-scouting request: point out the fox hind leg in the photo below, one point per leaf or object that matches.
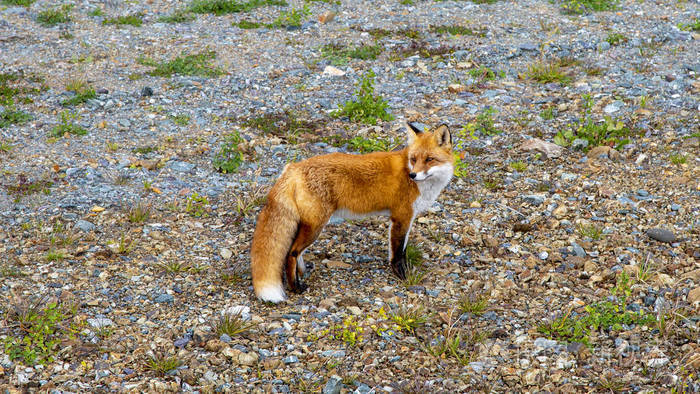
(295, 267)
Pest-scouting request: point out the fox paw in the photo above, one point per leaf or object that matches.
(400, 267)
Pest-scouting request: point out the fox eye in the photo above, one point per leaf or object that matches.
(428, 159)
(413, 160)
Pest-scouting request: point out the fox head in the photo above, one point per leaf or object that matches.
(429, 153)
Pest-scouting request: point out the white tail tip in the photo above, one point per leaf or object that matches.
(272, 293)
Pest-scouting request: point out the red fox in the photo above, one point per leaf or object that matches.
(400, 184)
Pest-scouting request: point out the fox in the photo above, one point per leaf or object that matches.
(400, 184)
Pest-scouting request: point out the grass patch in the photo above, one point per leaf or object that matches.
(367, 107)
(422, 49)
(518, 166)
(24, 186)
(457, 30)
(414, 276)
(19, 3)
(132, 20)
(484, 73)
(378, 33)
(290, 19)
(616, 39)
(578, 7)
(36, 329)
(371, 144)
(67, 126)
(229, 157)
(692, 26)
(162, 365)
(604, 315)
(11, 116)
(5, 146)
(221, 7)
(178, 16)
(548, 72)
(339, 55)
(288, 125)
(181, 120)
(196, 64)
(54, 16)
(197, 205)
(83, 92)
(139, 213)
(590, 231)
(247, 24)
(678, 159)
(611, 132)
(96, 12)
(409, 319)
(474, 303)
(232, 325)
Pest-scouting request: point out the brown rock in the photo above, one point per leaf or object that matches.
(694, 295)
(338, 264)
(215, 345)
(326, 17)
(456, 88)
(547, 148)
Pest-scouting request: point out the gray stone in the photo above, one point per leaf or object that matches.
(533, 199)
(604, 46)
(579, 144)
(333, 386)
(578, 250)
(613, 107)
(543, 255)
(661, 235)
(528, 46)
(333, 353)
(164, 298)
(291, 360)
(675, 207)
(181, 166)
(100, 322)
(545, 343)
(85, 226)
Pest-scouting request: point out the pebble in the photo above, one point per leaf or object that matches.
(333, 386)
(545, 343)
(579, 144)
(85, 226)
(291, 360)
(100, 322)
(164, 298)
(147, 91)
(534, 199)
(661, 235)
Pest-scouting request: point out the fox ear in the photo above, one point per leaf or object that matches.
(412, 132)
(443, 136)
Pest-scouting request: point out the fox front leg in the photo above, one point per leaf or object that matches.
(399, 236)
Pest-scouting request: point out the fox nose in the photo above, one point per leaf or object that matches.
(412, 175)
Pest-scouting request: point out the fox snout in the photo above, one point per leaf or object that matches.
(419, 176)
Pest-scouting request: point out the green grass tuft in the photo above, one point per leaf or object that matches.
(577, 7)
(12, 116)
(54, 16)
(367, 107)
(178, 16)
(132, 20)
(221, 7)
(196, 64)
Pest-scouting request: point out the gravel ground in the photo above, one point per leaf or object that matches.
(545, 268)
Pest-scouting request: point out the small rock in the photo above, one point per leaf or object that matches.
(333, 71)
(146, 91)
(543, 255)
(545, 343)
(578, 349)
(528, 46)
(694, 296)
(291, 360)
(548, 149)
(534, 199)
(355, 310)
(338, 264)
(181, 166)
(456, 88)
(85, 226)
(250, 359)
(333, 386)
(214, 345)
(613, 107)
(661, 235)
(578, 250)
(560, 211)
(100, 322)
(326, 17)
(164, 299)
(226, 253)
(579, 144)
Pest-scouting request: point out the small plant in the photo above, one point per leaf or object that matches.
(178, 16)
(692, 26)
(548, 72)
(54, 255)
(547, 113)
(409, 318)
(132, 20)
(67, 126)
(485, 123)
(196, 205)
(474, 303)
(174, 267)
(373, 144)
(578, 7)
(350, 332)
(291, 18)
(611, 132)
(162, 365)
(196, 64)
(678, 158)
(96, 12)
(244, 24)
(8, 271)
(139, 213)
(181, 120)
(54, 16)
(20, 3)
(232, 325)
(26, 186)
(454, 343)
(83, 92)
(456, 30)
(37, 328)
(590, 231)
(229, 157)
(339, 55)
(221, 7)
(485, 73)
(245, 203)
(493, 182)
(414, 276)
(518, 166)
(367, 107)
(414, 256)
(10, 116)
(616, 39)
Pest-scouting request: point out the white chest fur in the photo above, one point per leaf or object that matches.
(431, 187)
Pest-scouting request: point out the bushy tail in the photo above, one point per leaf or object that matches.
(274, 233)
